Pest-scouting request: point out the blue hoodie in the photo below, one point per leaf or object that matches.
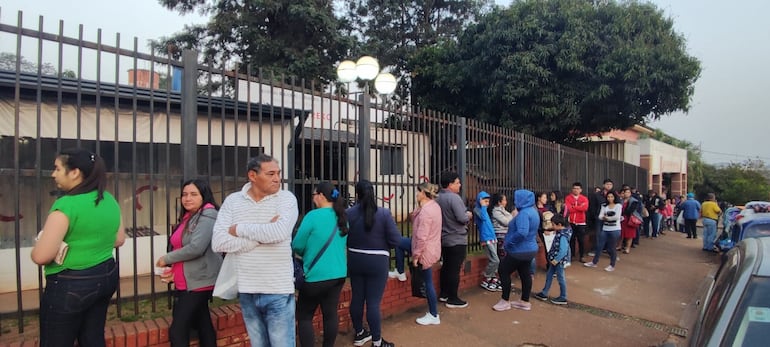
(482, 219)
(521, 239)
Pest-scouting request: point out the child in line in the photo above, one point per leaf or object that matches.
(557, 254)
(488, 241)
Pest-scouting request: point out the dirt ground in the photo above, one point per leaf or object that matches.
(641, 303)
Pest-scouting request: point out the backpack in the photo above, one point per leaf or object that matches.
(546, 223)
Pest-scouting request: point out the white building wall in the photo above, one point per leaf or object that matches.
(663, 157)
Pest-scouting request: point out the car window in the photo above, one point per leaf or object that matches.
(751, 322)
(723, 284)
(757, 230)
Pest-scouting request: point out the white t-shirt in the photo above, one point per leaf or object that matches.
(548, 240)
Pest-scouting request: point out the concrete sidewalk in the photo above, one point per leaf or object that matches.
(639, 304)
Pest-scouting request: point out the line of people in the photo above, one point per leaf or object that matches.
(254, 228)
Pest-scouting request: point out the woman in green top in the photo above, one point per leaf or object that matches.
(324, 279)
(80, 281)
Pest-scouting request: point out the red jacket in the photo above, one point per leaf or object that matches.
(575, 208)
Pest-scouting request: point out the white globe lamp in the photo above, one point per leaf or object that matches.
(385, 83)
(367, 68)
(346, 71)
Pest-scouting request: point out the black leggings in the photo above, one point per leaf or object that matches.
(191, 311)
(690, 225)
(311, 295)
(510, 264)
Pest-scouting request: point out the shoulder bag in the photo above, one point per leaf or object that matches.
(299, 269)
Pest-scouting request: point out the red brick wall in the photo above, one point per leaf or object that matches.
(229, 323)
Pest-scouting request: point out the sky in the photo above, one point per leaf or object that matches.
(730, 38)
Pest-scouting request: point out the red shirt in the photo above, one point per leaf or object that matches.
(576, 207)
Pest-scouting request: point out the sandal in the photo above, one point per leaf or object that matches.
(626, 251)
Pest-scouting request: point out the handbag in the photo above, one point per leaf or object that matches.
(634, 220)
(226, 286)
(299, 266)
(418, 282)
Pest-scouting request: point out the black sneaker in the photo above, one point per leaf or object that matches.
(559, 301)
(541, 296)
(362, 337)
(384, 343)
(456, 303)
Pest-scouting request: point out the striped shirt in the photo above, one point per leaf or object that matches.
(262, 249)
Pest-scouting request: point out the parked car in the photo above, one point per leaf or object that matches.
(735, 307)
(752, 221)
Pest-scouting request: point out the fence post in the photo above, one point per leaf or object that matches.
(558, 167)
(522, 160)
(461, 154)
(189, 138)
(364, 139)
(587, 169)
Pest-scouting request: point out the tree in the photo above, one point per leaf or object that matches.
(296, 38)
(560, 69)
(394, 30)
(736, 183)
(8, 63)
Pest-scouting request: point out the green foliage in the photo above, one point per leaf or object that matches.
(394, 30)
(296, 38)
(560, 69)
(736, 183)
(8, 63)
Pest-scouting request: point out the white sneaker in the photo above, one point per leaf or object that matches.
(609, 268)
(400, 275)
(502, 305)
(429, 319)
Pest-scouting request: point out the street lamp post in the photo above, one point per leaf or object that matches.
(365, 69)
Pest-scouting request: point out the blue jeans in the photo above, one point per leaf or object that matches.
(709, 233)
(559, 271)
(403, 249)
(430, 291)
(606, 240)
(74, 305)
(655, 219)
(269, 319)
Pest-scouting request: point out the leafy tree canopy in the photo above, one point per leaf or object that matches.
(736, 183)
(394, 30)
(8, 63)
(560, 69)
(298, 38)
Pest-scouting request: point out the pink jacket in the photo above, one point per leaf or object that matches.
(426, 234)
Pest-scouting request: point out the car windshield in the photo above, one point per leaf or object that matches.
(751, 322)
(756, 230)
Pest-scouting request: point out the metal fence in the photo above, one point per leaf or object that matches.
(157, 121)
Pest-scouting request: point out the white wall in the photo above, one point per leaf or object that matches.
(664, 157)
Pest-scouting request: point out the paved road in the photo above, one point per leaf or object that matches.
(640, 304)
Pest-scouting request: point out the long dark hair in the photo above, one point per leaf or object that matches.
(91, 167)
(206, 194)
(333, 195)
(365, 198)
(494, 201)
(616, 199)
